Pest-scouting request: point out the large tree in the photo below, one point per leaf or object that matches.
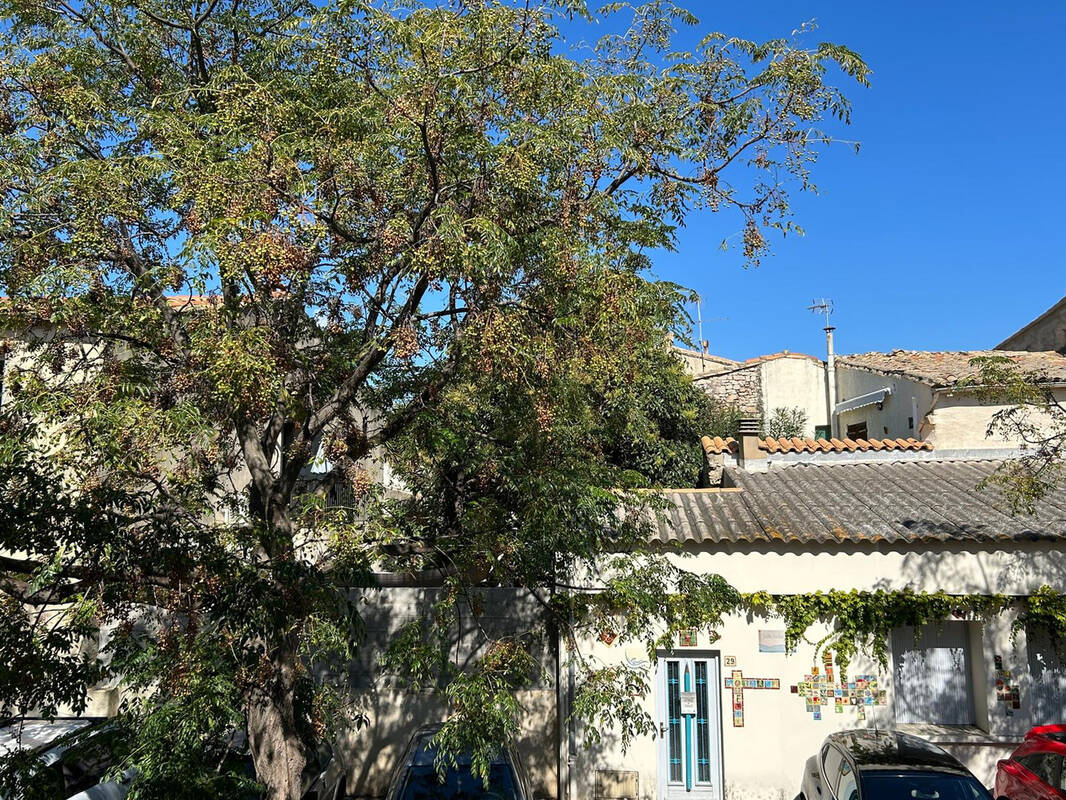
(1033, 415)
(251, 246)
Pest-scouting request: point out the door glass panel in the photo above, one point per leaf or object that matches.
(847, 789)
(673, 706)
(831, 762)
(703, 731)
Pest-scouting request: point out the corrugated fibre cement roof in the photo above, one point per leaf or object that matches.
(892, 503)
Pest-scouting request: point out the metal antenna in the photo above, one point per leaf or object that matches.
(825, 306)
(699, 323)
(705, 345)
(822, 306)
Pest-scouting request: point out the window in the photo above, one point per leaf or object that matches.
(931, 672)
(896, 785)
(847, 789)
(1046, 766)
(831, 760)
(1047, 667)
(857, 431)
(822, 431)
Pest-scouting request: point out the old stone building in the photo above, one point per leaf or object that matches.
(1046, 332)
(760, 385)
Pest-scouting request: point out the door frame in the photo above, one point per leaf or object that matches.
(661, 749)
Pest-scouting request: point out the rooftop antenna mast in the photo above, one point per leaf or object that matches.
(705, 345)
(822, 306)
(825, 306)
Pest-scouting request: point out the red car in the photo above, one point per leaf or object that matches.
(1035, 770)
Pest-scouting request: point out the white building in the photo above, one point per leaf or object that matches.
(760, 385)
(897, 395)
(736, 715)
(923, 394)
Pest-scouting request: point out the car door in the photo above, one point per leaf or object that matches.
(831, 759)
(1040, 778)
(847, 788)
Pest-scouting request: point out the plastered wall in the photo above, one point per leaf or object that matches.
(386, 709)
(764, 759)
(960, 421)
(893, 420)
(1047, 332)
(795, 381)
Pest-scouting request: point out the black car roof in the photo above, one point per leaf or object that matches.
(883, 749)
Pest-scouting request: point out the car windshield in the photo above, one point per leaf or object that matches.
(899, 785)
(459, 782)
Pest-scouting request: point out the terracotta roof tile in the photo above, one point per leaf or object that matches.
(781, 354)
(716, 445)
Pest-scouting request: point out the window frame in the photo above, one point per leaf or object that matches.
(830, 781)
(1052, 780)
(852, 431)
(854, 775)
(928, 706)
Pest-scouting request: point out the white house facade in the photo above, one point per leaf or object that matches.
(737, 716)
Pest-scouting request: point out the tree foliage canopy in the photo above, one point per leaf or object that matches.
(253, 247)
(1031, 415)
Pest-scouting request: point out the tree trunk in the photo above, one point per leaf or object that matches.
(277, 751)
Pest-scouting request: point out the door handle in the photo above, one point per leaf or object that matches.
(662, 729)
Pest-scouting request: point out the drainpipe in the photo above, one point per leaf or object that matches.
(564, 689)
(571, 731)
(564, 695)
(831, 382)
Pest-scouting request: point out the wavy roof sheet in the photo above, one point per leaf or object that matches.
(898, 502)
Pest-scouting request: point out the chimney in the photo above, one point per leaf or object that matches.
(748, 443)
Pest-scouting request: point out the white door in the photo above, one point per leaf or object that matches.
(689, 707)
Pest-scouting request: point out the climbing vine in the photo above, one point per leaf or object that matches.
(864, 620)
(1044, 608)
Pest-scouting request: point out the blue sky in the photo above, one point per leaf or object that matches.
(947, 231)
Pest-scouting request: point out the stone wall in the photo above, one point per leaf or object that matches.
(697, 363)
(1046, 332)
(741, 387)
(386, 710)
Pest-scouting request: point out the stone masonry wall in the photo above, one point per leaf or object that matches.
(742, 387)
(1047, 332)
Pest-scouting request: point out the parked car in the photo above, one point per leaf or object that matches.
(875, 764)
(416, 776)
(73, 755)
(1035, 771)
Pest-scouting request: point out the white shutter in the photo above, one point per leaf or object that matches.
(1048, 671)
(932, 676)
